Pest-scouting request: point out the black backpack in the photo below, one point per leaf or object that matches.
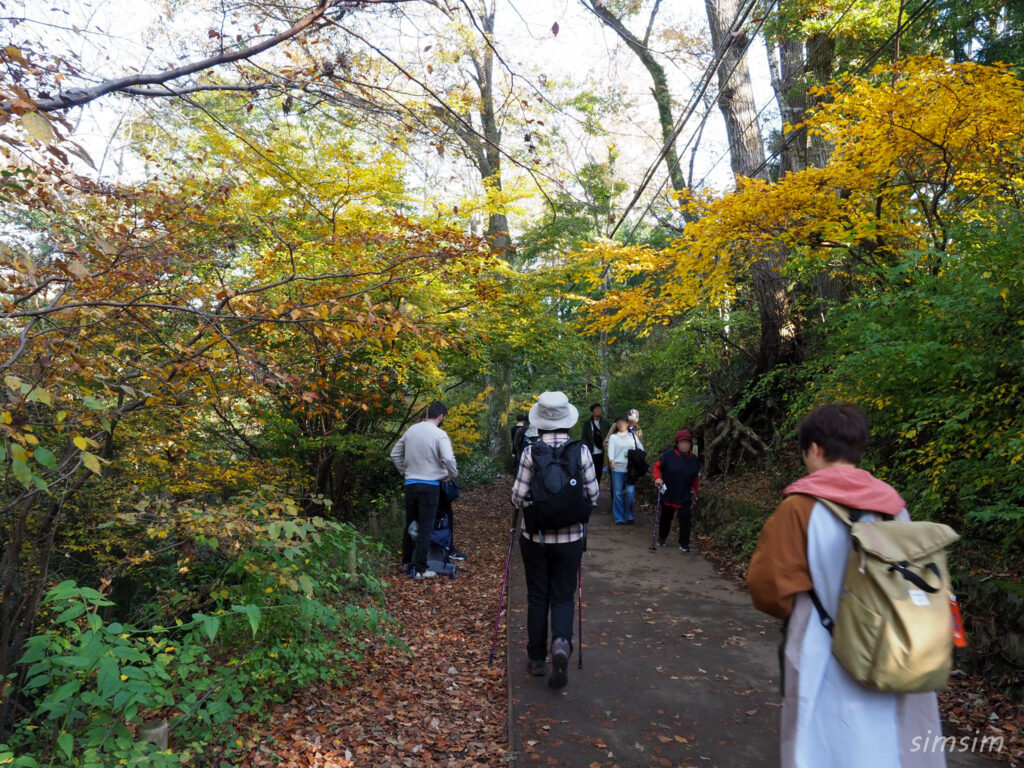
(636, 463)
(556, 487)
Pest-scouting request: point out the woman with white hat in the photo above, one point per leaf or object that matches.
(551, 558)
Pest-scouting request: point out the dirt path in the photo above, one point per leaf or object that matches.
(679, 669)
(434, 703)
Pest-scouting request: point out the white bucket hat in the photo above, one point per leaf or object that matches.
(553, 411)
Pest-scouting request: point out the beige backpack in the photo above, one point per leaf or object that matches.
(894, 628)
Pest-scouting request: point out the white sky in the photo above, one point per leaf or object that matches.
(584, 52)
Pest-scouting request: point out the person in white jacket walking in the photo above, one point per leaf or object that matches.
(424, 456)
(620, 443)
(827, 717)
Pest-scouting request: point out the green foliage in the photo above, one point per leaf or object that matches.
(294, 607)
(480, 468)
(935, 357)
(676, 376)
(988, 31)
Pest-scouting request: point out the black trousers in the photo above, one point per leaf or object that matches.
(421, 502)
(551, 571)
(665, 523)
(598, 464)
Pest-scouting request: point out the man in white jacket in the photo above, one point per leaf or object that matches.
(424, 457)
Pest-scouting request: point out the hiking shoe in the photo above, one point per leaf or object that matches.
(684, 550)
(427, 574)
(661, 542)
(456, 555)
(560, 650)
(537, 667)
(630, 522)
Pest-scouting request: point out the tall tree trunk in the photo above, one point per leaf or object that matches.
(736, 101)
(735, 92)
(821, 52)
(662, 96)
(499, 379)
(790, 86)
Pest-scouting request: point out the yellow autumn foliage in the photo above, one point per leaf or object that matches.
(941, 143)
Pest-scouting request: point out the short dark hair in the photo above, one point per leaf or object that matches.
(621, 417)
(841, 429)
(595, 405)
(522, 417)
(435, 409)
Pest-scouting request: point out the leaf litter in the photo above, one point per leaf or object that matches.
(435, 705)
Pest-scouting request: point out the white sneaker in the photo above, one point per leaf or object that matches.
(427, 574)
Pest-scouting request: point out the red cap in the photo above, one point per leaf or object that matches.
(684, 434)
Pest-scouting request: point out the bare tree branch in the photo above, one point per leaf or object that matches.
(76, 97)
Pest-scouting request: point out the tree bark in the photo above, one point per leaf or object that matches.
(789, 84)
(499, 379)
(821, 51)
(735, 92)
(736, 101)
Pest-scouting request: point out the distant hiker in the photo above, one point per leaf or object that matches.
(520, 423)
(677, 475)
(620, 443)
(424, 456)
(595, 429)
(556, 487)
(633, 423)
(828, 718)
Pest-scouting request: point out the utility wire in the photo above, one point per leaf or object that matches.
(695, 99)
(739, 60)
(783, 85)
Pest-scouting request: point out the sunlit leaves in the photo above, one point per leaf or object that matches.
(941, 144)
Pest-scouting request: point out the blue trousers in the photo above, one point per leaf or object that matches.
(622, 497)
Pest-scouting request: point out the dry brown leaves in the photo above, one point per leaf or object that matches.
(434, 705)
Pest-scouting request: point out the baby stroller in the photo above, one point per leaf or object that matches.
(440, 545)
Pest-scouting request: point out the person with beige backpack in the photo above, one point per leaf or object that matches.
(865, 594)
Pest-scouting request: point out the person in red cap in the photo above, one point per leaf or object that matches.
(677, 475)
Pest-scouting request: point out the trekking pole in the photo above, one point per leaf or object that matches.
(504, 580)
(654, 521)
(579, 579)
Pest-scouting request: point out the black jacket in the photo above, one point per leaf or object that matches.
(590, 439)
(681, 475)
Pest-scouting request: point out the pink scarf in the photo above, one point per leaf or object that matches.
(852, 487)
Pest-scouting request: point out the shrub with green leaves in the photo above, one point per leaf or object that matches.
(935, 356)
(297, 604)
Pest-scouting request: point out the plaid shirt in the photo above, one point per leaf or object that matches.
(521, 488)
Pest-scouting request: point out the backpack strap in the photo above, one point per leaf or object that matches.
(848, 518)
(826, 621)
(849, 515)
(845, 514)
